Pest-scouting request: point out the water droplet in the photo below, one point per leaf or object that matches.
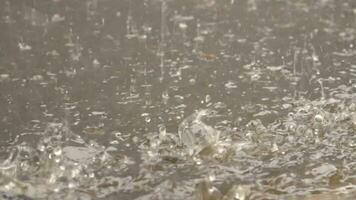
(52, 178)
(212, 177)
(183, 26)
(4, 77)
(162, 131)
(319, 118)
(195, 134)
(57, 151)
(165, 96)
(24, 47)
(118, 134)
(197, 160)
(75, 172)
(135, 139)
(192, 81)
(255, 77)
(71, 185)
(42, 148)
(147, 119)
(274, 147)
(91, 175)
(9, 186)
(207, 98)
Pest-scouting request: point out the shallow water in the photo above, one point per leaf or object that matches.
(93, 94)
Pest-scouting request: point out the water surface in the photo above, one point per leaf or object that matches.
(92, 94)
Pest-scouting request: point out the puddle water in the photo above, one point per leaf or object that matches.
(164, 99)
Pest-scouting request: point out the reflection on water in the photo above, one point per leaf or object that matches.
(207, 99)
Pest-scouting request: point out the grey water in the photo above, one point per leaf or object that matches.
(169, 99)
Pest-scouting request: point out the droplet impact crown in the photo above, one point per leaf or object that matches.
(195, 134)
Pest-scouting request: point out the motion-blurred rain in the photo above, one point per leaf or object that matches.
(178, 99)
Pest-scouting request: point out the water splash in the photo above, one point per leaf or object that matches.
(195, 134)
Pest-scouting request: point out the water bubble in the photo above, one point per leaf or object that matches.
(118, 134)
(57, 151)
(319, 118)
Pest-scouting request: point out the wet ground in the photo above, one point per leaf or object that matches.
(96, 95)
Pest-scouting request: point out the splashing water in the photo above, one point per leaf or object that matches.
(195, 134)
